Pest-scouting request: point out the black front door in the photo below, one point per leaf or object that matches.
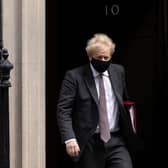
(133, 26)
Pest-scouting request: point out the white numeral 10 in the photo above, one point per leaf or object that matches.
(112, 9)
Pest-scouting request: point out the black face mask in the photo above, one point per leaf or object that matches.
(100, 66)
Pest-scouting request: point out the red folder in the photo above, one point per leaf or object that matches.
(131, 108)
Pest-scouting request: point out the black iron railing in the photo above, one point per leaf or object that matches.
(5, 67)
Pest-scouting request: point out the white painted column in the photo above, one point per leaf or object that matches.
(24, 37)
(33, 84)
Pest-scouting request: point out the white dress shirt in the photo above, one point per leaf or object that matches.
(111, 103)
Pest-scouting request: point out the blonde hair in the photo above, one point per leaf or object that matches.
(99, 41)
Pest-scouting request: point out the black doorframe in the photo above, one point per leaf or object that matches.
(141, 48)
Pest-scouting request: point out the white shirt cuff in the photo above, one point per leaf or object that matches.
(70, 140)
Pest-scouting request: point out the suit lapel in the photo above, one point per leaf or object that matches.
(90, 83)
(114, 82)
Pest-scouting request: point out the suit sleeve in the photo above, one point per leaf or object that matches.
(65, 107)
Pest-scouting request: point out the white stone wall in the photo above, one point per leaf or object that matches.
(24, 37)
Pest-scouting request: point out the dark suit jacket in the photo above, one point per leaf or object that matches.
(77, 109)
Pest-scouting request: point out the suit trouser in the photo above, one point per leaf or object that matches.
(98, 154)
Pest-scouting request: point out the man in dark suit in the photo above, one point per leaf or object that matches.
(92, 120)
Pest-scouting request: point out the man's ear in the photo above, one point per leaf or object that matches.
(90, 58)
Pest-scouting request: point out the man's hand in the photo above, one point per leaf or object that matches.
(72, 148)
